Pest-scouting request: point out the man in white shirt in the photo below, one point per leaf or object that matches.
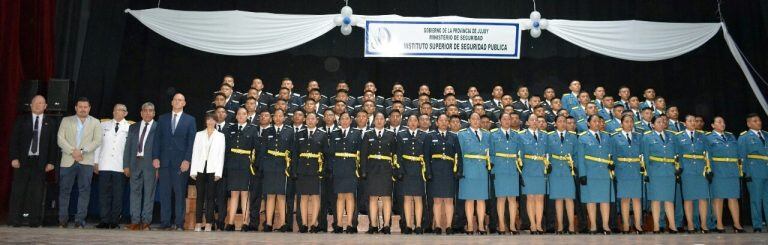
(109, 163)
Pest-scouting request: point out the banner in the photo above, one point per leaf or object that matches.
(442, 39)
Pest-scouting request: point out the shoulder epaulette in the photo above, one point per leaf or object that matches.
(604, 132)
(572, 132)
(482, 129)
(699, 131)
(582, 133)
(566, 94)
(130, 122)
(617, 129)
(580, 120)
(574, 108)
(648, 132)
(386, 129)
(708, 133)
(105, 119)
(614, 133)
(462, 130)
(521, 131)
(551, 132)
(677, 133)
(320, 129)
(495, 129)
(742, 133)
(726, 132)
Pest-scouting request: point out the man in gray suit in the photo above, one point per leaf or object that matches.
(137, 165)
(79, 136)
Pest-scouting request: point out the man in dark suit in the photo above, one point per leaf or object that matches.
(137, 165)
(32, 152)
(175, 136)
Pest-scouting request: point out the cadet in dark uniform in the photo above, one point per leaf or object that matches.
(344, 165)
(277, 144)
(378, 165)
(310, 158)
(410, 156)
(241, 143)
(441, 156)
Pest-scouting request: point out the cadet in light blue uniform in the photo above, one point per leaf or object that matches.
(570, 100)
(629, 171)
(644, 124)
(595, 172)
(659, 156)
(614, 125)
(579, 111)
(533, 148)
(582, 124)
(753, 151)
(504, 149)
(473, 187)
(561, 147)
(690, 147)
(726, 183)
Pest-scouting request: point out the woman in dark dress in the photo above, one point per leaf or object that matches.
(441, 154)
(410, 157)
(343, 164)
(310, 146)
(378, 166)
(275, 162)
(241, 141)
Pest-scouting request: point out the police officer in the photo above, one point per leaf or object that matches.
(505, 172)
(626, 155)
(378, 167)
(753, 151)
(660, 159)
(441, 153)
(240, 145)
(473, 185)
(410, 157)
(343, 166)
(596, 172)
(561, 148)
(690, 147)
(277, 145)
(310, 158)
(533, 151)
(723, 152)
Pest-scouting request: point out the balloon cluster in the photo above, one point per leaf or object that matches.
(346, 20)
(537, 24)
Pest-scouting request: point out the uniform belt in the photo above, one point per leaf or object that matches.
(318, 156)
(240, 151)
(694, 156)
(559, 157)
(758, 157)
(628, 159)
(449, 158)
(506, 155)
(534, 157)
(380, 157)
(485, 157)
(662, 159)
(420, 160)
(284, 154)
(355, 155)
(597, 159)
(725, 159)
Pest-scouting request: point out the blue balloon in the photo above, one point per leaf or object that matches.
(535, 24)
(347, 20)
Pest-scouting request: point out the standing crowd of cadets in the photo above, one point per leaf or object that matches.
(421, 157)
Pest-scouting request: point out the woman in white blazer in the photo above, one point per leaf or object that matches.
(206, 168)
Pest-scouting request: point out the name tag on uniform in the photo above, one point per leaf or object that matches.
(337, 139)
(435, 141)
(370, 140)
(301, 138)
(405, 139)
(232, 132)
(270, 136)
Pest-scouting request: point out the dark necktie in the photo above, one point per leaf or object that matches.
(760, 134)
(477, 134)
(141, 139)
(597, 136)
(677, 126)
(218, 127)
(344, 133)
(629, 140)
(662, 137)
(506, 134)
(173, 124)
(413, 134)
(117, 127)
(379, 134)
(691, 135)
(311, 132)
(562, 138)
(442, 135)
(35, 131)
(723, 136)
(240, 128)
(535, 138)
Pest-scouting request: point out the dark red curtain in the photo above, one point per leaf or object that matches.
(26, 52)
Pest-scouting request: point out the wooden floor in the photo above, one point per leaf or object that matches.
(94, 236)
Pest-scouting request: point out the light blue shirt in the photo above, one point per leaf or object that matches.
(80, 129)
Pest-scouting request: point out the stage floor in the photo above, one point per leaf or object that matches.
(93, 236)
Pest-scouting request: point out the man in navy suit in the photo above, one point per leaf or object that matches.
(174, 138)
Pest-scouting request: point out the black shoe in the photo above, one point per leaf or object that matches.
(352, 230)
(338, 230)
(501, 232)
(34, 225)
(737, 230)
(406, 230)
(482, 232)
(229, 227)
(79, 224)
(593, 232)
(656, 232)
(757, 230)
(449, 231)
(418, 231)
(704, 231)
(63, 225)
(428, 230)
(372, 230)
(102, 226)
(245, 228)
(385, 230)
(492, 230)
(114, 226)
(437, 231)
(690, 231)
(719, 230)
(672, 232)
(303, 229)
(285, 228)
(607, 232)
(571, 233)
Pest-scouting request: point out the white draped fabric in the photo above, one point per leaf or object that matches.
(241, 33)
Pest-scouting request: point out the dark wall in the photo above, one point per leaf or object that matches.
(123, 61)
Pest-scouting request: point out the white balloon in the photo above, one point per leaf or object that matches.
(338, 20)
(527, 25)
(346, 11)
(535, 33)
(543, 23)
(355, 19)
(535, 15)
(346, 29)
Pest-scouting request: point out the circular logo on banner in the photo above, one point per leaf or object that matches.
(381, 39)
